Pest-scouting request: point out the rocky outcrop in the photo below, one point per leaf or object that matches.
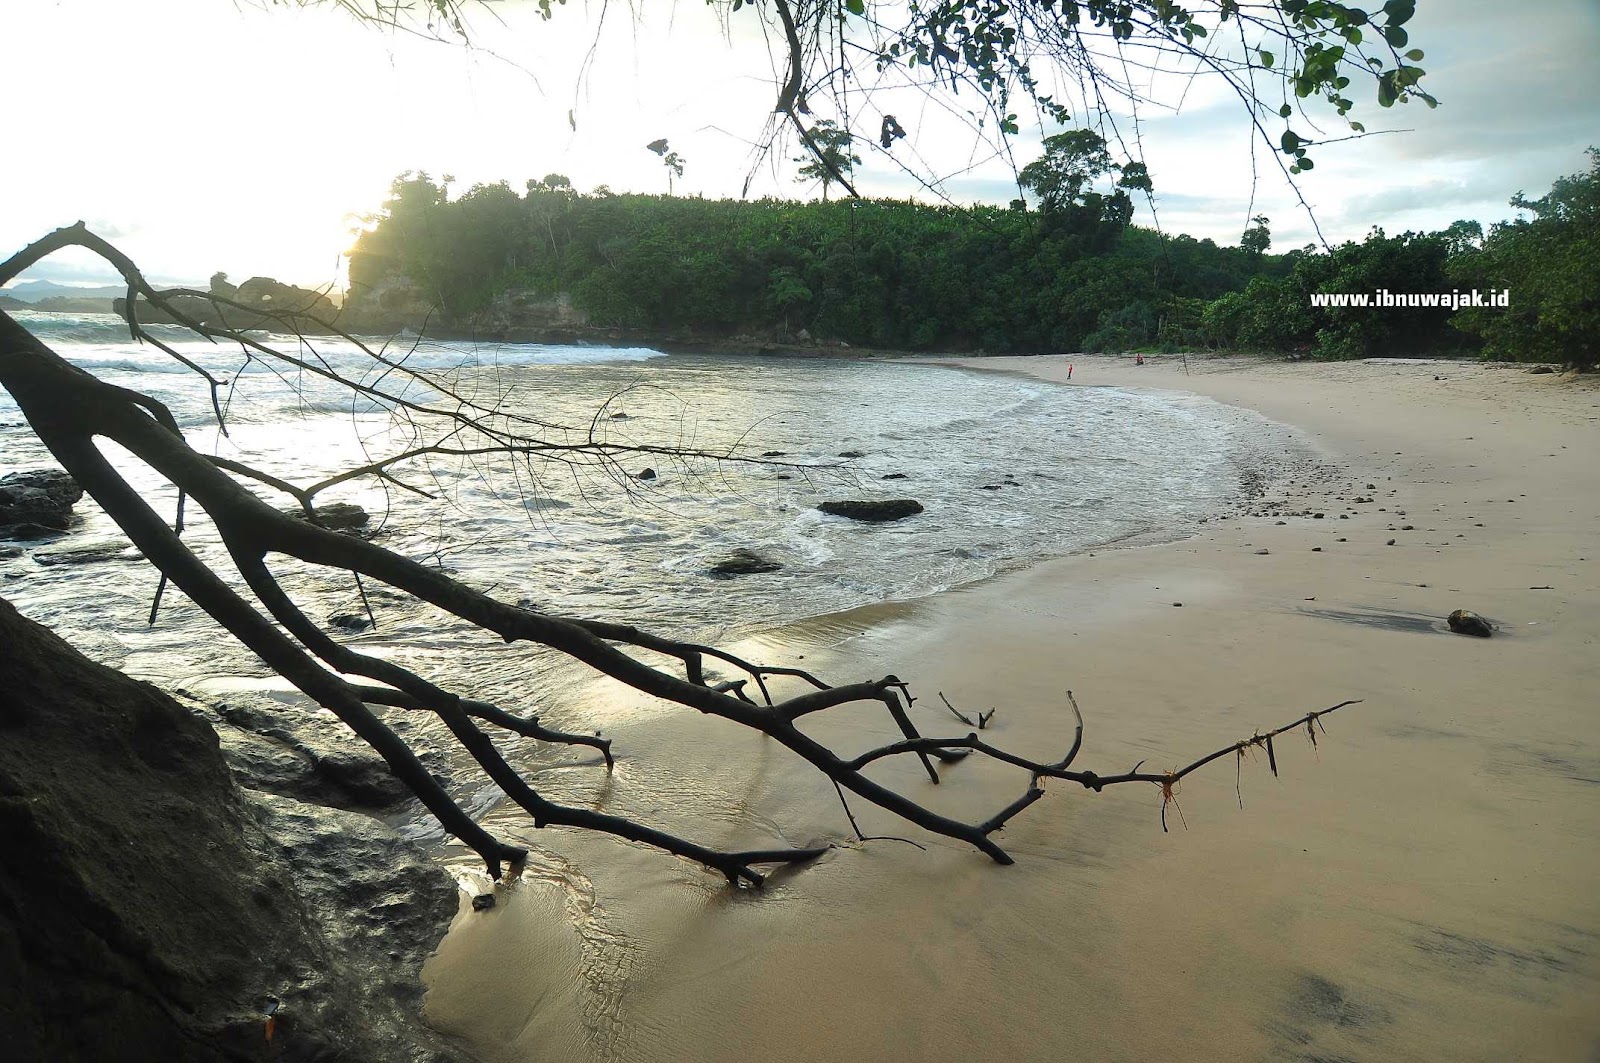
(264, 293)
(150, 909)
(520, 310)
(383, 298)
(875, 512)
(63, 304)
(300, 751)
(266, 302)
(36, 504)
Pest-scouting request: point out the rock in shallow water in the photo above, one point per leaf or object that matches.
(36, 504)
(873, 511)
(336, 516)
(87, 555)
(743, 562)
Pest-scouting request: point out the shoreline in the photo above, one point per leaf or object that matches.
(1412, 888)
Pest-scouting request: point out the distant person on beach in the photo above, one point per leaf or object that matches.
(1138, 359)
(1069, 370)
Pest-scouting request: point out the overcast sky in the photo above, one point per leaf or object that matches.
(208, 134)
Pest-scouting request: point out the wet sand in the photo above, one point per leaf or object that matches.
(1422, 885)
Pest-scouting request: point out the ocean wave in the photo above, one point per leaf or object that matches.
(107, 330)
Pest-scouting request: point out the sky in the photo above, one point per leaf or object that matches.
(248, 137)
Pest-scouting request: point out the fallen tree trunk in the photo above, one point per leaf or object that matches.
(71, 409)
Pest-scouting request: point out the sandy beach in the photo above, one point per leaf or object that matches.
(1421, 885)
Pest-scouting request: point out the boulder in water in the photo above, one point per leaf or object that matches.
(743, 562)
(336, 516)
(37, 501)
(86, 555)
(876, 511)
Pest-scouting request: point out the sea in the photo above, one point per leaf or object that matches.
(1009, 470)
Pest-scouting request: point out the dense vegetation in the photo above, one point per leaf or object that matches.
(1071, 273)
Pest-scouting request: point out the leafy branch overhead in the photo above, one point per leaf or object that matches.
(1078, 62)
(1073, 62)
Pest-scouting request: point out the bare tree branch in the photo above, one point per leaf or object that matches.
(70, 409)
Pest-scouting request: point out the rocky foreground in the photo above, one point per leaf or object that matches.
(156, 905)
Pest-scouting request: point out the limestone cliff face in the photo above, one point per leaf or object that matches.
(517, 310)
(383, 298)
(150, 910)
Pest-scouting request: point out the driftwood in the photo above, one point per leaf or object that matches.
(68, 408)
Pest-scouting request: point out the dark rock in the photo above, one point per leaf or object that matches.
(336, 516)
(388, 903)
(1389, 543)
(852, 454)
(743, 562)
(619, 417)
(873, 511)
(154, 917)
(647, 474)
(302, 753)
(774, 453)
(1541, 369)
(85, 555)
(990, 487)
(42, 497)
(351, 622)
(1463, 622)
(10, 553)
(265, 302)
(28, 532)
(893, 476)
(483, 902)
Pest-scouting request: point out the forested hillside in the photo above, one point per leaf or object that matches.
(1067, 273)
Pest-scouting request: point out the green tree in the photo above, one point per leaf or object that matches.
(1257, 237)
(1551, 266)
(830, 159)
(669, 158)
(1069, 166)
